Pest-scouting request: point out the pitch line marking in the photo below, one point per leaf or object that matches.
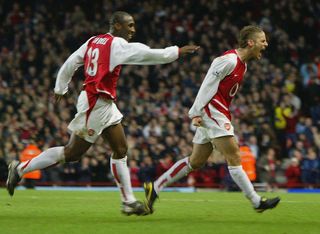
(178, 200)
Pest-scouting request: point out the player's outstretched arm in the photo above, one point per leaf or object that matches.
(123, 52)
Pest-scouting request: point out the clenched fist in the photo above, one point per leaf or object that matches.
(197, 121)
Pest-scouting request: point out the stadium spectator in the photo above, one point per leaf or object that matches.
(254, 147)
(99, 168)
(164, 164)
(134, 171)
(293, 174)
(102, 57)
(248, 162)
(309, 71)
(29, 152)
(310, 168)
(85, 172)
(268, 166)
(147, 171)
(211, 116)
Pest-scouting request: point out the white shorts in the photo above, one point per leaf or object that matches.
(216, 126)
(89, 125)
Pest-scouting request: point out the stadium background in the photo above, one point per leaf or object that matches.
(276, 113)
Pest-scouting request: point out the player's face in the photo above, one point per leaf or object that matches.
(259, 45)
(127, 29)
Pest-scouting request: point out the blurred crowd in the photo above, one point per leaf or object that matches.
(276, 113)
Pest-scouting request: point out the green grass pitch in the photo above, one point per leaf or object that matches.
(96, 212)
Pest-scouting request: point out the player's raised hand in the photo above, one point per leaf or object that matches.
(189, 49)
(197, 121)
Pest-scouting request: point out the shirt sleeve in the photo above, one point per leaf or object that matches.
(219, 69)
(69, 67)
(123, 52)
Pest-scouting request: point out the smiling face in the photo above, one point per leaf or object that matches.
(126, 28)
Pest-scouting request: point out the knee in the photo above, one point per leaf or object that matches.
(232, 154)
(120, 152)
(196, 164)
(70, 155)
(234, 159)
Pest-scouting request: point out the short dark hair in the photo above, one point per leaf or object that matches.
(247, 33)
(117, 17)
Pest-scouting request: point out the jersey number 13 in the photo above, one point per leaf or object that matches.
(93, 56)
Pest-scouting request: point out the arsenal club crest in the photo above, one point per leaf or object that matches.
(227, 126)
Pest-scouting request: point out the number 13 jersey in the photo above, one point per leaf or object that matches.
(102, 57)
(101, 77)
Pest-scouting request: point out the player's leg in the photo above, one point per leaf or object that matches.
(202, 148)
(181, 168)
(50, 157)
(116, 138)
(118, 162)
(228, 146)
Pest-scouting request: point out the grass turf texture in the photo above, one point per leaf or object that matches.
(70, 212)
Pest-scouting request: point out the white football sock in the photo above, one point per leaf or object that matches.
(180, 169)
(241, 179)
(121, 174)
(47, 158)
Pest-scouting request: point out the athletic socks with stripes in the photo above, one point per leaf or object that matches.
(47, 158)
(180, 169)
(121, 174)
